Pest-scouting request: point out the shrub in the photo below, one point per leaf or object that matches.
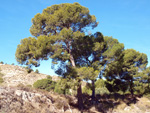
(36, 71)
(87, 90)
(24, 87)
(49, 77)
(12, 64)
(100, 87)
(63, 87)
(1, 79)
(29, 70)
(101, 91)
(1, 62)
(46, 84)
(61, 90)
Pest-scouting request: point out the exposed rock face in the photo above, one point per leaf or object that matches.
(14, 75)
(13, 100)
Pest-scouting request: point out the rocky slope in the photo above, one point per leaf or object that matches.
(141, 106)
(14, 75)
(19, 100)
(17, 97)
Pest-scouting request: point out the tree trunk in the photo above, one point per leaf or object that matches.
(131, 87)
(79, 89)
(93, 90)
(80, 99)
(72, 61)
(148, 84)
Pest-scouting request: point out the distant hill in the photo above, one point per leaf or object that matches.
(15, 75)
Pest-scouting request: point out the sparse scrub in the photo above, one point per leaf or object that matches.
(24, 87)
(61, 103)
(1, 79)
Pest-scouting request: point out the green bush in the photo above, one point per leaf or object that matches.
(62, 87)
(100, 87)
(49, 77)
(29, 70)
(140, 88)
(36, 71)
(100, 83)
(1, 79)
(101, 91)
(1, 62)
(46, 84)
(87, 90)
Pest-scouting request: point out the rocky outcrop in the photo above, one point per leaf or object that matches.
(13, 100)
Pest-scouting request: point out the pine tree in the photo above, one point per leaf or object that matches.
(56, 32)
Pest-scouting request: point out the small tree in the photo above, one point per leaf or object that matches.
(133, 62)
(36, 71)
(28, 69)
(1, 62)
(142, 82)
(122, 73)
(12, 64)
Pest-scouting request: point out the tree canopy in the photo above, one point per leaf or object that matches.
(57, 32)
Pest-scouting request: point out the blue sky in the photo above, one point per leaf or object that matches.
(126, 20)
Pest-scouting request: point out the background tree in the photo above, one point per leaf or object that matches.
(113, 65)
(133, 63)
(125, 71)
(103, 51)
(142, 83)
(146, 77)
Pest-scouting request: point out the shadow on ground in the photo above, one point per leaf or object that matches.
(105, 103)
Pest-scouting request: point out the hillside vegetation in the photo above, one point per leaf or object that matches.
(21, 98)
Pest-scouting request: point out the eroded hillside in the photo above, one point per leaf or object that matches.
(15, 75)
